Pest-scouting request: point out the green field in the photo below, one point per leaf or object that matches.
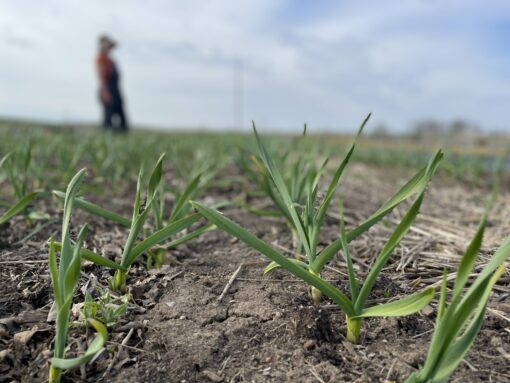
(202, 256)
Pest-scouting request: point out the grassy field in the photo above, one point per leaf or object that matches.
(228, 257)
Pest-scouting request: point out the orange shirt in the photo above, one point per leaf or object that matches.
(104, 67)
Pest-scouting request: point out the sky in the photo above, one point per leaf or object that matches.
(325, 63)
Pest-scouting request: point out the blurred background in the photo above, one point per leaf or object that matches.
(418, 66)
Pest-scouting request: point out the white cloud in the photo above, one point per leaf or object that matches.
(403, 60)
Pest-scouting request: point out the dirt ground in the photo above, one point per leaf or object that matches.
(264, 328)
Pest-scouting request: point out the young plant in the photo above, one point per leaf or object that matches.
(180, 210)
(158, 241)
(354, 306)
(20, 207)
(64, 277)
(140, 214)
(16, 166)
(297, 174)
(306, 221)
(106, 308)
(458, 322)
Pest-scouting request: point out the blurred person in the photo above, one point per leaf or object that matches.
(109, 94)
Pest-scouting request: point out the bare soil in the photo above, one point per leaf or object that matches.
(264, 329)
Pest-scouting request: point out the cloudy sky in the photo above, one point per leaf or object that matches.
(327, 63)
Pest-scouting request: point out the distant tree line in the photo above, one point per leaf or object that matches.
(432, 128)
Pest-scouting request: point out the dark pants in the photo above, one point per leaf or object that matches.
(114, 117)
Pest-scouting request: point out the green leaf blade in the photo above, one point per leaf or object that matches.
(96, 346)
(96, 210)
(398, 234)
(415, 185)
(406, 306)
(54, 273)
(160, 236)
(321, 212)
(183, 199)
(274, 265)
(237, 231)
(20, 205)
(284, 193)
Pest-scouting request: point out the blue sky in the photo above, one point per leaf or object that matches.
(327, 63)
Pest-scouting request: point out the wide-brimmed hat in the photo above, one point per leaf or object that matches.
(106, 41)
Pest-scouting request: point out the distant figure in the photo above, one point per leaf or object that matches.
(109, 93)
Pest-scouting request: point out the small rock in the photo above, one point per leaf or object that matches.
(212, 376)
(112, 250)
(52, 314)
(310, 344)
(3, 332)
(24, 337)
(496, 342)
(412, 358)
(427, 311)
(4, 354)
(75, 310)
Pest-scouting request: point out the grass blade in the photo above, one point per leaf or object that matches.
(90, 256)
(284, 192)
(468, 260)
(416, 185)
(66, 257)
(463, 314)
(353, 282)
(501, 255)
(54, 274)
(183, 199)
(274, 265)
(138, 194)
(237, 231)
(139, 218)
(399, 233)
(97, 210)
(73, 270)
(160, 236)
(94, 347)
(135, 230)
(321, 213)
(462, 345)
(21, 205)
(402, 307)
(189, 236)
(155, 178)
(442, 297)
